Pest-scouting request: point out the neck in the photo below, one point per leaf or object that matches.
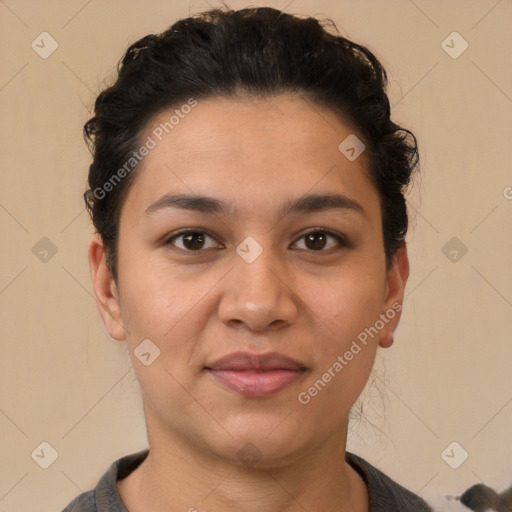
(180, 475)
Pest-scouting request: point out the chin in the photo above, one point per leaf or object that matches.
(266, 444)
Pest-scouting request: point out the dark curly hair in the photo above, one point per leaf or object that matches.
(260, 52)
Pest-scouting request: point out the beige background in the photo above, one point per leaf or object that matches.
(447, 378)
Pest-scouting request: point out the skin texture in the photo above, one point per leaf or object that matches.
(198, 306)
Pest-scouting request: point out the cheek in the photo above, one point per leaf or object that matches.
(343, 310)
(167, 311)
(345, 304)
(172, 308)
(343, 352)
(159, 306)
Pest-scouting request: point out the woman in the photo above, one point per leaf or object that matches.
(247, 190)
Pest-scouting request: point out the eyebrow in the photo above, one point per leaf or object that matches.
(305, 204)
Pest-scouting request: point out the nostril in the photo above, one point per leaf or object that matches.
(235, 322)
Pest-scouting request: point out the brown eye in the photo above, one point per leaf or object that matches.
(318, 240)
(192, 241)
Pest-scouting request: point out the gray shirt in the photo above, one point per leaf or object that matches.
(385, 495)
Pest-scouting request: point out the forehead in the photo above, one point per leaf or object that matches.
(252, 152)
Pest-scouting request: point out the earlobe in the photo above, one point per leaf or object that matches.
(386, 341)
(105, 289)
(395, 286)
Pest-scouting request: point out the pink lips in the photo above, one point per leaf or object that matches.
(254, 375)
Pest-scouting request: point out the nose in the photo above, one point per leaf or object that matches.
(257, 296)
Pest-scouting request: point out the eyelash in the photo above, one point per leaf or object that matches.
(341, 239)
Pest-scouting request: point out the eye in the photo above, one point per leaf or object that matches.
(192, 240)
(318, 240)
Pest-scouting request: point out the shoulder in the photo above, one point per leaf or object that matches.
(384, 493)
(105, 497)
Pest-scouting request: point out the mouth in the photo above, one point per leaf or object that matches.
(254, 375)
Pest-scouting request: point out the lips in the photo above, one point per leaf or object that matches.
(256, 375)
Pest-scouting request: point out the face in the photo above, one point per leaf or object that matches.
(265, 301)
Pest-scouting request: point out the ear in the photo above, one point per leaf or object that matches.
(105, 289)
(394, 296)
